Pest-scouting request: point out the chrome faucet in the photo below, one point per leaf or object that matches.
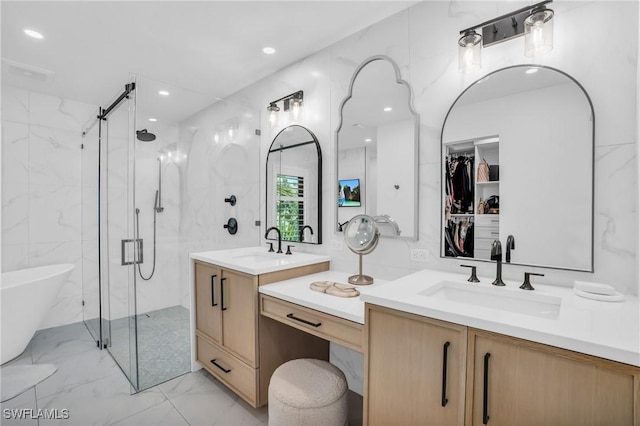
(266, 235)
(302, 232)
(511, 245)
(496, 254)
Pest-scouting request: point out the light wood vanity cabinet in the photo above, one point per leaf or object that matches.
(416, 369)
(529, 383)
(225, 306)
(233, 342)
(344, 332)
(506, 381)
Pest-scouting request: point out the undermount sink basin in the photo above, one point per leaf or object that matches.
(499, 298)
(262, 258)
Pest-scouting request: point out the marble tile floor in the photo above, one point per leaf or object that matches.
(92, 388)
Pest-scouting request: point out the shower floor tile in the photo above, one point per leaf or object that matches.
(163, 345)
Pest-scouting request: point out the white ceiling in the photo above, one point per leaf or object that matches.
(206, 50)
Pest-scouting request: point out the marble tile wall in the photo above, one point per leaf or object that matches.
(44, 185)
(41, 198)
(221, 158)
(41, 189)
(426, 54)
(422, 41)
(427, 60)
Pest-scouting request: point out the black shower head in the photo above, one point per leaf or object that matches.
(145, 136)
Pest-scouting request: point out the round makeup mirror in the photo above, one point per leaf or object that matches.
(361, 236)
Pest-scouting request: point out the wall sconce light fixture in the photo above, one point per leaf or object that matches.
(535, 22)
(292, 102)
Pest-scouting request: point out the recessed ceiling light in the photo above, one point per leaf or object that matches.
(268, 50)
(367, 140)
(34, 34)
(531, 70)
(163, 93)
(387, 109)
(153, 119)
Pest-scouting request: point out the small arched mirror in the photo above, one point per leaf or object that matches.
(294, 185)
(377, 151)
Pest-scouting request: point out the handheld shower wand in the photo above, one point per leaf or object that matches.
(157, 205)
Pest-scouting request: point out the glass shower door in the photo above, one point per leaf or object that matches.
(91, 286)
(119, 249)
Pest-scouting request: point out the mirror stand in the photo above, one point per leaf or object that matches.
(360, 279)
(361, 236)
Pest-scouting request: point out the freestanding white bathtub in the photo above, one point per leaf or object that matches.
(27, 296)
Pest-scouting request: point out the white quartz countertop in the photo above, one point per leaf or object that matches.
(257, 260)
(609, 330)
(297, 291)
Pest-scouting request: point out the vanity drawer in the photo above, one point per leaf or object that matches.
(486, 232)
(487, 220)
(483, 243)
(482, 254)
(234, 373)
(329, 327)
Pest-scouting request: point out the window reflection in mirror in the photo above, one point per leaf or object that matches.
(377, 151)
(533, 127)
(294, 165)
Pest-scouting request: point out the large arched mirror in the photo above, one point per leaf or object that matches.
(517, 156)
(377, 151)
(294, 185)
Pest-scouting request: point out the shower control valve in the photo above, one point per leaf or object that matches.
(231, 226)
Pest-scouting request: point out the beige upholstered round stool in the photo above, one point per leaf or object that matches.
(308, 392)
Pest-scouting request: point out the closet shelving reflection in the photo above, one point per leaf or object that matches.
(468, 228)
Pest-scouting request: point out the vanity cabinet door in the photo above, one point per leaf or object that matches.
(517, 382)
(415, 369)
(208, 313)
(239, 306)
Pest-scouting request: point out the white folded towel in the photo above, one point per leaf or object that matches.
(595, 288)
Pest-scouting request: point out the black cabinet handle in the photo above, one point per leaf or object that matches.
(222, 307)
(313, 324)
(226, 371)
(445, 349)
(485, 390)
(213, 291)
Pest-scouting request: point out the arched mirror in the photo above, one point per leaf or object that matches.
(294, 185)
(517, 156)
(377, 151)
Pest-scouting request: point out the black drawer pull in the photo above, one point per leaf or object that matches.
(213, 361)
(213, 290)
(445, 349)
(222, 307)
(314, 324)
(485, 390)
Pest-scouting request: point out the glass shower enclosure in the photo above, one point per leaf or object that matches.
(129, 238)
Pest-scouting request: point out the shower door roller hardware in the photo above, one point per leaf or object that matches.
(232, 226)
(127, 254)
(231, 200)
